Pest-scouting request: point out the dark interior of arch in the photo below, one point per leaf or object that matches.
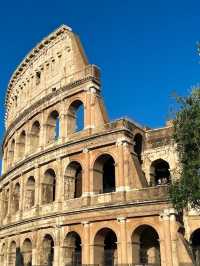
(110, 246)
(108, 174)
(49, 250)
(195, 243)
(78, 182)
(148, 239)
(138, 146)
(76, 256)
(161, 172)
(54, 116)
(49, 187)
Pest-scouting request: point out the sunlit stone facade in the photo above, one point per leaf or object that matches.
(77, 188)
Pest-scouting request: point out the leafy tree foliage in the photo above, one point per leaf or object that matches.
(185, 189)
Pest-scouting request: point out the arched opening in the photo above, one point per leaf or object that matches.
(53, 127)
(73, 181)
(104, 174)
(16, 198)
(27, 252)
(195, 244)
(47, 254)
(35, 136)
(159, 173)
(49, 187)
(105, 248)
(5, 159)
(30, 193)
(21, 145)
(75, 117)
(12, 254)
(5, 203)
(3, 255)
(12, 152)
(138, 140)
(72, 249)
(145, 246)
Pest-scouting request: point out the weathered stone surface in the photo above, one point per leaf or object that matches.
(98, 195)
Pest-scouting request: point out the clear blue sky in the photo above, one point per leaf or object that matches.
(145, 49)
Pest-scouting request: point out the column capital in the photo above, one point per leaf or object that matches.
(121, 141)
(85, 150)
(92, 90)
(85, 223)
(121, 219)
(168, 214)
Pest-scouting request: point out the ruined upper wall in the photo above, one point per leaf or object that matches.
(56, 61)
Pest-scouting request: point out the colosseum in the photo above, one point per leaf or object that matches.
(76, 188)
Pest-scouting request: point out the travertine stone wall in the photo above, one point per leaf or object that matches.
(81, 196)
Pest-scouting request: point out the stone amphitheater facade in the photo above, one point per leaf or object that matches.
(96, 194)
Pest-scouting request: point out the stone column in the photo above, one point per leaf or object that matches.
(173, 230)
(28, 140)
(63, 125)
(123, 240)
(120, 174)
(92, 106)
(3, 164)
(126, 165)
(86, 243)
(15, 155)
(59, 182)
(1, 205)
(91, 94)
(86, 174)
(162, 252)
(167, 238)
(43, 131)
(36, 249)
(6, 252)
(57, 257)
(9, 202)
(21, 199)
(87, 110)
(37, 188)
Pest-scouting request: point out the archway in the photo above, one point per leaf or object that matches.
(3, 255)
(30, 193)
(49, 187)
(75, 117)
(27, 252)
(195, 244)
(35, 136)
(73, 181)
(12, 153)
(72, 249)
(12, 254)
(53, 127)
(21, 145)
(104, 174)
(16, 198)
(138, 140)
(5, 202)
(47, 251)
(5, 159)
(145, 246)
(160, 173)
(105, 248)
